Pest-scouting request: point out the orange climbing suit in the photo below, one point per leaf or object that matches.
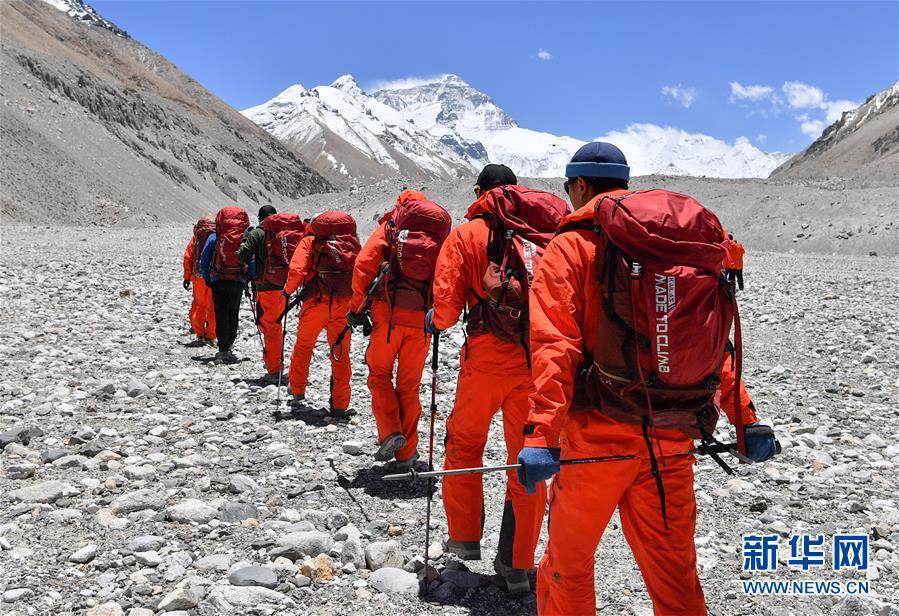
(565, 298)
(202, 313)
(493, 376)
(322, 312)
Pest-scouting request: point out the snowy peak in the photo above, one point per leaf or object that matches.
(863, 145)
(85, 14)
(348, 84)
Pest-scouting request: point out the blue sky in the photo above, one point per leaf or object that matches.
(775, 72)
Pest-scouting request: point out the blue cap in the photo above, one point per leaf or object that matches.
(598, 159)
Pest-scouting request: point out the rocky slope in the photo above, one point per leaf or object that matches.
(95, 127)
(137, 478)
(862, 146)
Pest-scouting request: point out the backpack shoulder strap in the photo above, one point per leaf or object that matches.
(582, 225)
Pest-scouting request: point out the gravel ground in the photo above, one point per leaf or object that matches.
(137, 478)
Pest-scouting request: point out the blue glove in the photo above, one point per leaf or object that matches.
(760, 442)
(537, 464)
(429, 323)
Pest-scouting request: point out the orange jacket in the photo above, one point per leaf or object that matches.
(189, 260)
(458, 276)
(302, 269)
(565, 296)
(734, 257)
(368, 263)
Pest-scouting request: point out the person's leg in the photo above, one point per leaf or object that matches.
(380, 358)
(234, 290)
(739, 273)
(477, 400)
(413, 353)
(667, 558)
(341, 369)
(271, 305)
(523, 513)
(313, 318)
(206, 309)
(219, 301)
(195, 314)
(582, 499)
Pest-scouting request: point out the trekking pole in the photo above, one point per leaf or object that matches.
(282, 318)
(431, 475)
(337, 347)
(434, 357)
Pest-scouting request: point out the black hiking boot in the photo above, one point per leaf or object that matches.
(391, 444)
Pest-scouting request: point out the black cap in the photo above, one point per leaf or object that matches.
(265, 211)
(492, 176)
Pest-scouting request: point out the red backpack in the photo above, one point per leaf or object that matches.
(522, 222)
(231, 224)
(334, 254)
(283, 231)
(202, 230)
(665, 317)
(414, 232)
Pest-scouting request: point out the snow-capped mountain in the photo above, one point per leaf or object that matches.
(348, 135)
(862, 145)
(444, 128)
(86, 14)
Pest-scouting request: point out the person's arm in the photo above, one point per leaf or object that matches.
(368, 263)
(452, 277)
(250, 245)
(206, 258)
(728, 380)
(300, 265)
(189, 260)
(556, 303)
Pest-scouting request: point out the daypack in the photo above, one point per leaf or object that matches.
(665, 315)
(414, 232)
(231, 224)
(522, 222)
(283, 231)
(202, 230)
(334, 254)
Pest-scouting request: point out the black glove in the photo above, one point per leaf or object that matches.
(367, 327)
(356, 319)
(186, 284)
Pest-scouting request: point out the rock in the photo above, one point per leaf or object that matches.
(20, 471)
(237, 512)
(319, 568)
(140, 611)
(336, 518)
(107, 609)
(393, 580)
(45, 492)
(241, 483)
(213, 562)
(254, 576)
(17, 594)
(51, 455)
(144, 543)
(19, 434)
(191, 510)
(246, 599)
(136, 388)
(353, 448)
(353, 552)
(309, 543)
(383, 554)
(84, 555)
(137, 501)
(179, 599)
(150, 558)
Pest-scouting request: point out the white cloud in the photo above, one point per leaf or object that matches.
(803, 96)
(650, 148)
(761, 138)
(835, 109)
(544, 55)
(683, 95)
(751, 93)
(403, 83)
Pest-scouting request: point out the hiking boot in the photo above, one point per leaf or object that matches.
(230, 358)
(220, 357)
(274, 378)
(209, 341)
(194, 344)
(297, 399)
(517, 581)
(342, 413)
(392, 443)
(404, 466)
(466, 550)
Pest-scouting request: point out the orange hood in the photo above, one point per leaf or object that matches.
(404, 197)
(586, 211)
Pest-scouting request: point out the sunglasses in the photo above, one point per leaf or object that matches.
(567, 186)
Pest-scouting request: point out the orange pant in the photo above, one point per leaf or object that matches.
(315, 316)
(479, 395)
(202, 314)
(269, 306)
(397, 408)
(582, 500)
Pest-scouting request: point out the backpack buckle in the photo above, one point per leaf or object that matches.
(636, 269)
